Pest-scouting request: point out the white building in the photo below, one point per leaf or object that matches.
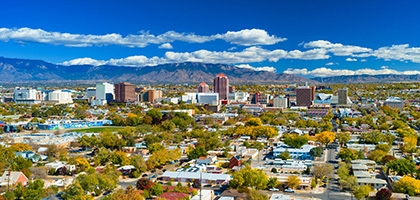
(90, 92)
(189, 97)
(280, 102)
(208, 98)
(57, 96)
(295, 153)
(26, 96)
(238, 97)
(104, 93)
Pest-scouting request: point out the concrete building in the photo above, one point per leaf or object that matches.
(208, 98)
(394, 102)
(342, 96)
(26, 96)
(295, 153)
(238, 96)
(221, 86)
(153, 94)
(189, 97)
(57, 96)
(90, 92)
(104, 93)
(125, 92)
(203, 88)
(304, 96)
(280, 102)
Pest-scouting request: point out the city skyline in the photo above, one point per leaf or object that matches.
(325, 38)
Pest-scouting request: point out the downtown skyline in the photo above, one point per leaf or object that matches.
(324, 38)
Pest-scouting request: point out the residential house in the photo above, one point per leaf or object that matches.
(235, 161)
(10, 178)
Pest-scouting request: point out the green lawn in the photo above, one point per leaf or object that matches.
(96, 129)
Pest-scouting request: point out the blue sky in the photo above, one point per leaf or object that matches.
(309, 38)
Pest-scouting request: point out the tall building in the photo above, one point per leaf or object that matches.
(342, 96)
(280, 102)
(26, 96)
(221, 86)
(304, 96)
(125, 92)
(153, 94)
(203, 88)
(104, 93)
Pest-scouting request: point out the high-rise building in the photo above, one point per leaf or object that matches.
(280, 102)
(104, 93)
(26, 96)
(342, 96)
(304, 96)
(125, 92)
(221, 86)
(153, 94)
(203, 88)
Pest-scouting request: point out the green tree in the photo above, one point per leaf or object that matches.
(284, 155)
(272, 182)
(343, 138)
(253, 122)
(402, 166)
(295, 141)
(75, 192)
(293, 181)
(325, 137)
(248, 177)
(321, 170)
(343, 170)
(347, 154)
(361, 192)
(316, 152)
(156, 189)
(197, 152)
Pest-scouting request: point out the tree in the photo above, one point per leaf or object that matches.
(253, 122)
(293, 182)
(130, 193)
(343, 170)
(284, 155)
(361, 192)
(410, 144)
(347, 154)
(156, 189)
(322, 170)
(256, 195)
(383, 194)
(407, 185)
(402, 166)
(383, 147)
(20, 147)
(295, 141)
(75, 192)
(272, 182)
(343, 138)
(197, 152)
(325, 137)
(144, 184)
(348, 183)
(155, 114)
(316, 152)
(82, 164)
(88, 182)
(35, 190)
(258, 146)
(376, 155)
(248, 177)
(119, 158)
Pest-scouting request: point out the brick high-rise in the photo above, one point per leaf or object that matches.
(221, 86)
(203, 88)
(125, 92)
(304, 95)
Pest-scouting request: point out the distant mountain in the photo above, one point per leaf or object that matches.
(384, 78)
(24, 71)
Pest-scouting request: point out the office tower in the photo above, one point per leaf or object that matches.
(203, 88)
(304, 96)
(342, 96)
(104, 92)
(221, 86)
(125, 92)
(280, 102)
(153, 94)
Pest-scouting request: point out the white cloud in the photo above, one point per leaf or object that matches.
(249, 37)
(325, 72)
(248, 55)
(337, 49)
(166, 46)
(330, 63)
(265, 68)
(402, 52)
(246, 37)
(351, 59)
(84, 61)
(363, 60)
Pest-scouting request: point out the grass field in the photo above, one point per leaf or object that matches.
(96, 129)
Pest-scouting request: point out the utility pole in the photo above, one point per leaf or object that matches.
(201, 180)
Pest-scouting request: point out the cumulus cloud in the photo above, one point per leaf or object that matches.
(248, 55)
(402, 52)
(265, 68)
(325, 72)
(246, 37)
(330, 63)
(84, 61)
(166, 46)
(337, 49)
(351, 59)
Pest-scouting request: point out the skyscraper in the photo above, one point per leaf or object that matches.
(125, 92)
(304, 96)
(104, 93)
(221, 86)
(152, 95)
(203, 88)
(342, 96)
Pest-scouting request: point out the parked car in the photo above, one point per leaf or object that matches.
(274, 189)
(289, 190)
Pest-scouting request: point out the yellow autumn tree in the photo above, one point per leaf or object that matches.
(293, 181)
(407, 185)
(20, 147)
(410, 144)
(325, 137)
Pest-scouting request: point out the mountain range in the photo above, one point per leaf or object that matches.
(28, 71)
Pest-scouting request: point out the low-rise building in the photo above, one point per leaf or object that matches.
(295, 153)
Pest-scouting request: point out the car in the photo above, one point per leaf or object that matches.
(144, 175)
(289, 190)
(274, 189)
